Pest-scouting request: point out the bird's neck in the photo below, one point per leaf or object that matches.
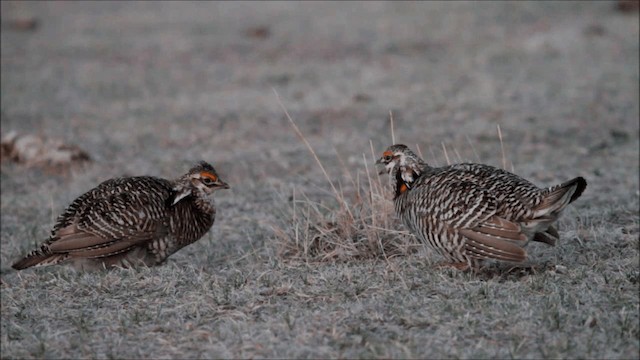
(404, 179)
(183, 192)
(205, 204)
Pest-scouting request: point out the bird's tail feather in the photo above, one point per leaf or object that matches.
(39, 257)
(559, 196)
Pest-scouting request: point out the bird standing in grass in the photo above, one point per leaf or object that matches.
(131, 221)
(473, 212)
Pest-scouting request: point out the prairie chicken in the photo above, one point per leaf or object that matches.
(131, 221)
(472, 212)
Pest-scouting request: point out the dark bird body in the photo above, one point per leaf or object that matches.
(131, 221)
(473, 212)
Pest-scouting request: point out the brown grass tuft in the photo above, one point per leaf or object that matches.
(364, 227)
(357, 222)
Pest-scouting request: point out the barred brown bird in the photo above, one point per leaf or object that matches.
(472, 212)
(131, 221)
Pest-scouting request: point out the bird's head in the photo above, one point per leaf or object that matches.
(403, 166)
(399, 156)
(200, 181)
(205, 179)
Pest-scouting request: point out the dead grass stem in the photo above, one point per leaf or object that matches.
(362, 226)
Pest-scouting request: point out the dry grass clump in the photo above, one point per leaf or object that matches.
(357, 223)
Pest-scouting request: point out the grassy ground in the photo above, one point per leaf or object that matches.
(150, 88)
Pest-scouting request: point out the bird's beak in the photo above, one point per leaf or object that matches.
(223, 185)
(380, 164)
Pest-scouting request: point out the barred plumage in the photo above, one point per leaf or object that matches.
(472, 212)
(131, 221)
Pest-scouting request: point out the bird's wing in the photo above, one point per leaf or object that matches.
(111, 223)
(470, 210)
(495, 238)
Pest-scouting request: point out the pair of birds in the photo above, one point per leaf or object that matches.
(466, 212)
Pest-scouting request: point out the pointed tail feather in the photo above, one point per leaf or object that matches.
(559, 196)
(38, 258)
(581, 185)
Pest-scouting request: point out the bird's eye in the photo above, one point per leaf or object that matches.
(207, 181)
(387, 158)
